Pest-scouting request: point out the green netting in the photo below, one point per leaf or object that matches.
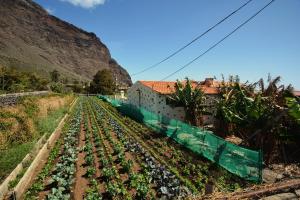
(243, 162)
(113, 102)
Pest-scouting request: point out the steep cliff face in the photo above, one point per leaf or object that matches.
(33, 40)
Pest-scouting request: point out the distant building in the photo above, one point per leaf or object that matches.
(152, 95)
(122, 91)
(297, 93)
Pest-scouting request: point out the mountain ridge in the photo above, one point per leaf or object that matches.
(33, 40)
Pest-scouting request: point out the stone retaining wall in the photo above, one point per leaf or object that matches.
(12, 99)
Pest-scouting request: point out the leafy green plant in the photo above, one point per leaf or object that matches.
(97, 143)
(58, 193)
(186, 171)
(88, 148)
(104, 162)
(38, 185)
(117, 149)
(109, 173)
(127, 165)
(113, 189)
(90, 172)
(89, 159)
(92, 192)
(294, 108)
(142, 190)
(120, 157)
(65, 168)
(110, 158)
(140, 183)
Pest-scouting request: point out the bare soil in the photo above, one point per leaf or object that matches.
(81, 183)
(96, 162)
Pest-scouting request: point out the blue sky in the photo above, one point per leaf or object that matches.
(141, 32)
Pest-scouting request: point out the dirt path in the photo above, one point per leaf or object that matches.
(81, 183)
(96, 159)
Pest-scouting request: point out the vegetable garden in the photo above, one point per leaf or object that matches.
(104, 155)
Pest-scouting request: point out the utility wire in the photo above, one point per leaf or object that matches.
(220, 41)
(194, 40)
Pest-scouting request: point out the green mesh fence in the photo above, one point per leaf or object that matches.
(243, 162)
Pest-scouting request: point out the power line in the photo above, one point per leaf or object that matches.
(194, 40)
(220, 41)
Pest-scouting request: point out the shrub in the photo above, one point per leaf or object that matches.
(57, 87)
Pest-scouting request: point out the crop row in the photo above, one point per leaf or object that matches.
(114, 164)
(194, 170)
(110, 176)
(104, 155)
(165, 183)
(59, 173)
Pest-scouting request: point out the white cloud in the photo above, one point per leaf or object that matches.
(50, 11)
(86, 3)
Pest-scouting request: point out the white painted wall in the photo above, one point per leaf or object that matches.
(153, 101)
(156, 103)
(211, 99)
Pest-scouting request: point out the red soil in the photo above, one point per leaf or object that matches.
(81, 183)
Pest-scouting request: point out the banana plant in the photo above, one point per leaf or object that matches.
(190, 98)
(294, 108)
(255, 112)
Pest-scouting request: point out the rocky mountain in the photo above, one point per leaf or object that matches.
(33, 40)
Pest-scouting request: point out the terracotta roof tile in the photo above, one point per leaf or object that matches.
(297, 93)
(167, 87)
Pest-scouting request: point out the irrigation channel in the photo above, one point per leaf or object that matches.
(104, 155)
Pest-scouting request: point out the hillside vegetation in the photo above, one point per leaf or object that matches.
(22, 125)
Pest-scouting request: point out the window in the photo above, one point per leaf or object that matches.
(170, 103)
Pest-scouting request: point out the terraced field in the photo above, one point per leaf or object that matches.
(104, 155)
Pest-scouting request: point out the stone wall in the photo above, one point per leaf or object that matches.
(12, 99)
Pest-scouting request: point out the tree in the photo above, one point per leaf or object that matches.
(191, 99)
(103, 83)
(13, 80)
(257, 114)
(55, 76)
(37, 83)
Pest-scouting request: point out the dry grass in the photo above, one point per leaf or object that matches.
(18, 126)
(52, 103)
(23, 124)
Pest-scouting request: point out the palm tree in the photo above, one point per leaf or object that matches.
(191, 99)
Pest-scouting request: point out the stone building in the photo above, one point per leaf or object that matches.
(152, 95)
